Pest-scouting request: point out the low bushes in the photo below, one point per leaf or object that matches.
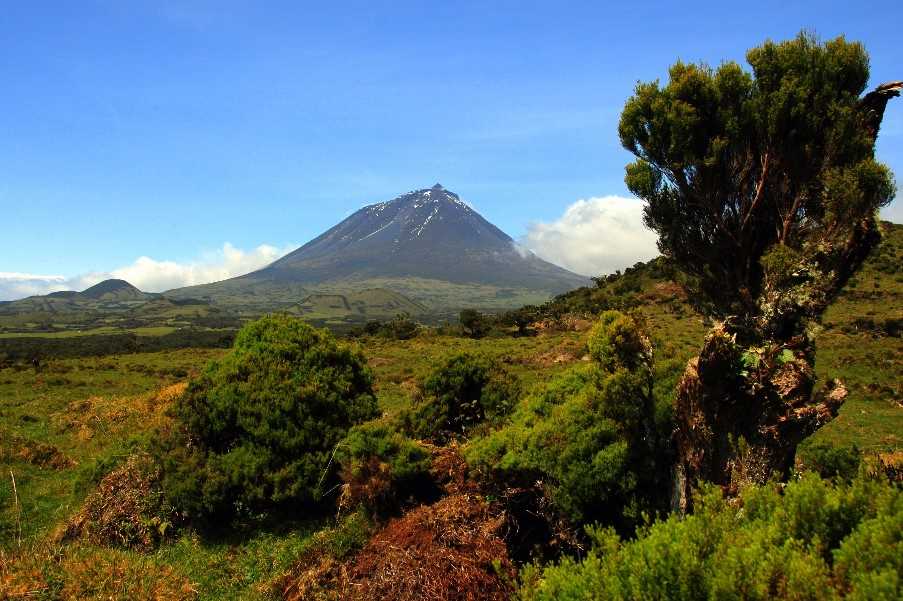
(815, 540)
(256, 430)
(128, 508)
(382, 468)
(833, 462)
(590, 436)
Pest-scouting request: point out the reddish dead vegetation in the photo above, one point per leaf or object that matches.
(372, 484)
(127, 509)
(18, 448)
(451, 550)
(665, 292)
(449, 470)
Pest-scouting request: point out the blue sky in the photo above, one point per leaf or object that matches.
(167, 129)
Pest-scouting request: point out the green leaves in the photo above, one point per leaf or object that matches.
(732, 162)
(814, 541)
(465, 391)
(259, 425)
(589, 435)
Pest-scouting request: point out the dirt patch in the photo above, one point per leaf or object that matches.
(566, 323)
(553, 358)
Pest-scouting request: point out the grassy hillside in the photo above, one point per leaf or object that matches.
(434, 296)
(375, 303)
(104, 314)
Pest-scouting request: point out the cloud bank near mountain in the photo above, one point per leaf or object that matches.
(594, 236)
(149, 274)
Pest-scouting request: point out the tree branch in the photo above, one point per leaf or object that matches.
(760, 189)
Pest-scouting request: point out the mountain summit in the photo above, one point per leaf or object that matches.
(429, 233)
(426, 244)
(113, 289)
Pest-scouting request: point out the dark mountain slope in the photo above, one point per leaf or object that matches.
(427, 244)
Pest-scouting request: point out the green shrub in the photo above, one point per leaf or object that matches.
(815, 541)
(465, 391)
(833, 462)
(400, 327)
(474, 323)
(257, 427)
(590, 435)
(381, 468)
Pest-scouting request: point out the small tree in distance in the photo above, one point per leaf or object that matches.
(764, 190)
(473, 322)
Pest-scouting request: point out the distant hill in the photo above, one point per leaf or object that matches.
(114, 290)
(427, 245)
(107, 292)
(871, 300)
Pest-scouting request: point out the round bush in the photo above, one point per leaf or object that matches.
(466, 390)
(257, 428)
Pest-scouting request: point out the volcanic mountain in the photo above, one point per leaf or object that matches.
(427, 245)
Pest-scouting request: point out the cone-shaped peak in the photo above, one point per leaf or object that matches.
(425, 235)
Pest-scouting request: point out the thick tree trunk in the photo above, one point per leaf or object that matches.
(741, 413)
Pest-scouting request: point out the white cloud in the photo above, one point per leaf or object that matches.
(595, 236)
(19, 285)
(893, 212)
(148, 274)
(152, 275)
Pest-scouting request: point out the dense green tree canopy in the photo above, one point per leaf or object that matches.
(732, 163)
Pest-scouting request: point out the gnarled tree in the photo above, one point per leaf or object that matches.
(764, 189)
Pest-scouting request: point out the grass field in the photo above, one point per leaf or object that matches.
(68, 422)
(88, 414)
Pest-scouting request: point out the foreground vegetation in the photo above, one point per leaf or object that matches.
(809, 540)
(69, 423)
